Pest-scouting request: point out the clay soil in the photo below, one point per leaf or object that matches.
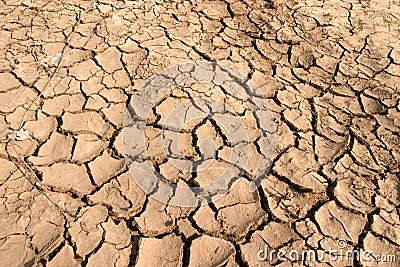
(329, 71)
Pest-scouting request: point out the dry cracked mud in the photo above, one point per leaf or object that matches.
(329, 71)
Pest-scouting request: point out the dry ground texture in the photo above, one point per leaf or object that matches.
(329, 71)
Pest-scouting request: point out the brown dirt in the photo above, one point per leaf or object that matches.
(329, 71)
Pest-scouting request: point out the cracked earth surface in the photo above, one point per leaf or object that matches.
(329, 71)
